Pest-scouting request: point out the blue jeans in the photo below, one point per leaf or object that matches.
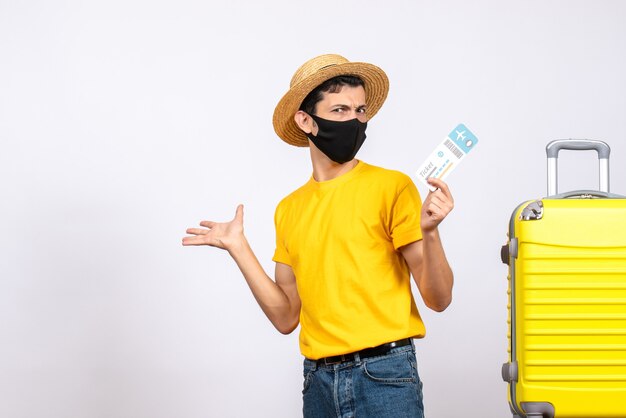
(387, 386)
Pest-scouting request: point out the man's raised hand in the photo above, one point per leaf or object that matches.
(437, 205)
(224, 235)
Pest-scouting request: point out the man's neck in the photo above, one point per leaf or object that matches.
(325, 169)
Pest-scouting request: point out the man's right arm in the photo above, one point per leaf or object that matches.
(278, 299)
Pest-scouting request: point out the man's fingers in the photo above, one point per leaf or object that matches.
(433, 210)
(433, 205)
(239, 214)
(203, 240)
(441, 185)
(441, 201)
(197, 231)
(213, 233)
(441, 197)
(438, 205)
(197, 240)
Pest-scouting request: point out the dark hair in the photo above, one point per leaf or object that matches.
(332, 85)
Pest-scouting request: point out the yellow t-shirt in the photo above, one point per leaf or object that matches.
(341, 237)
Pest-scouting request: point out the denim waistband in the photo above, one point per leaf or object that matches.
(357, 356)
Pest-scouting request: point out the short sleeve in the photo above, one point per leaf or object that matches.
(405, 216)
(281, 255)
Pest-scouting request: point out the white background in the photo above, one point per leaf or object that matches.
(122, 123)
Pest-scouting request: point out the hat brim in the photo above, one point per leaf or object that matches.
(376, 89)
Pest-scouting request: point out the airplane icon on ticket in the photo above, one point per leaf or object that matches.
(460, 136)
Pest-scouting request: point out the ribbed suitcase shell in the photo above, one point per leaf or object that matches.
(567, 309)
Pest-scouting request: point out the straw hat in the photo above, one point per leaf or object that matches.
(313, 73)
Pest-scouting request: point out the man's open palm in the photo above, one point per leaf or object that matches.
(224, 235)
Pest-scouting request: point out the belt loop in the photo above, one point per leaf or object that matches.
(357, 358)
(413, 345)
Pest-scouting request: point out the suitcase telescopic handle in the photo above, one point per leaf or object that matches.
(553, 148)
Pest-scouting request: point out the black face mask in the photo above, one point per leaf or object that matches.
(339, 141)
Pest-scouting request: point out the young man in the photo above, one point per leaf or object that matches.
(346, 244)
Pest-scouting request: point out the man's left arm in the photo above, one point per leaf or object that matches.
(426, 258)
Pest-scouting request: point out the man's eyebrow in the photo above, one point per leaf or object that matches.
(348, 106)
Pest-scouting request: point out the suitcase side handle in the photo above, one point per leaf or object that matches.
(552, 151)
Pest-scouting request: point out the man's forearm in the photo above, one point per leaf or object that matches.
(436, 279)
(270, 296)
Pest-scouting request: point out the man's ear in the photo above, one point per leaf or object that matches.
(304, 121)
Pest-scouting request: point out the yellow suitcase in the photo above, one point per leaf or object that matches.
(567, 299)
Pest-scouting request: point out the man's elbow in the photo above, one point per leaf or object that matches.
(286, 328)
(440, 304)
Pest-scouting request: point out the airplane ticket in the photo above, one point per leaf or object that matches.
(448, 155)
